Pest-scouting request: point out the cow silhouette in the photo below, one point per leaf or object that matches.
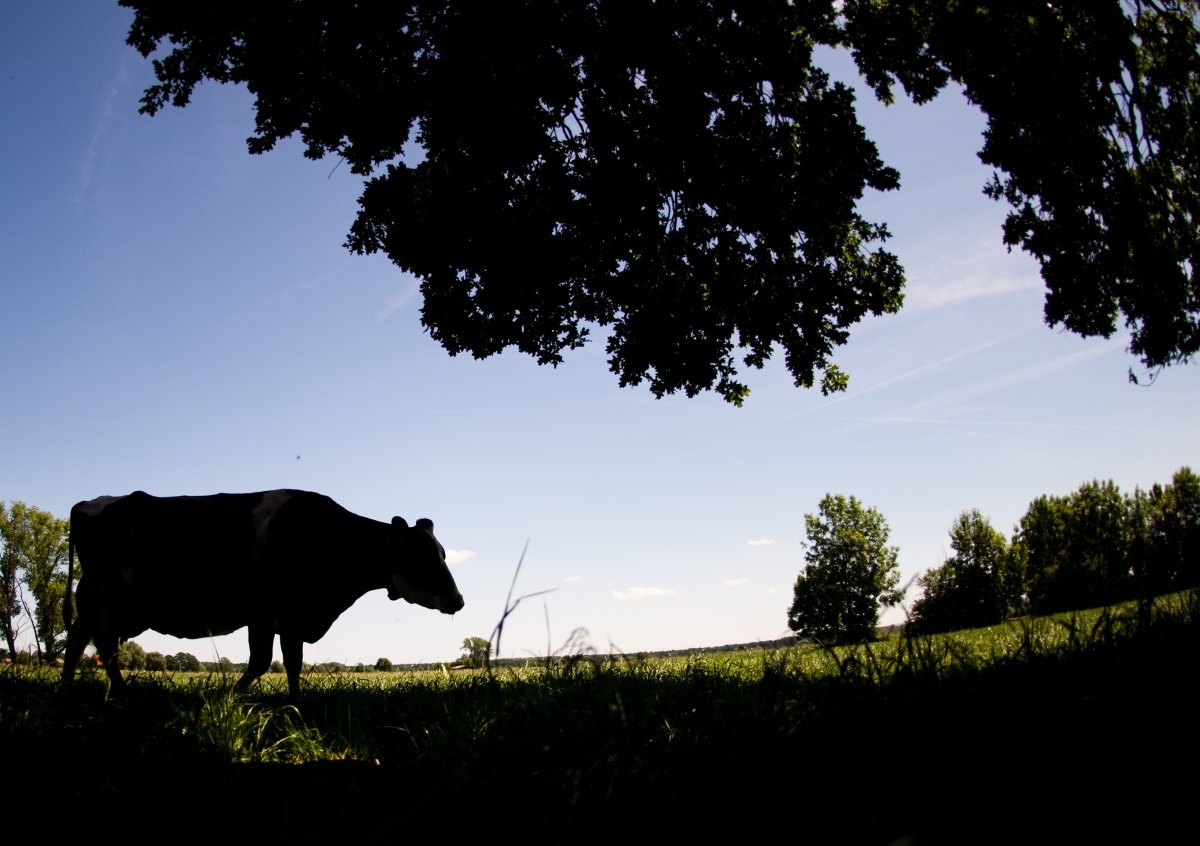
(281, 562)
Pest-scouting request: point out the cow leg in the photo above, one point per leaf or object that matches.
(293, 660)
(262, 642)
(77, 638)
(106, 645)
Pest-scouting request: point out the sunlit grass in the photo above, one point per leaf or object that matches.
(561, 737)
(238, 730)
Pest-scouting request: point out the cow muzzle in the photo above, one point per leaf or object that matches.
(448, 603)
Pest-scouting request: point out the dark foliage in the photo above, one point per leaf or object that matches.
(682, 175)
(1092, 129)
(1096, 546)
(979, 585)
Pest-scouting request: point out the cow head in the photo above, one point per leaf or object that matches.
(419, 573)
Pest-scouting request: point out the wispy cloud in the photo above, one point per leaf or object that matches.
(953, 407)
(643, 593)
(762, 541)
(911, 373)
(1005, 380)
(995, 424)
(734, 582)
(458, 556)
(398, 300)
(968, 268)
(106, 108)
(572, 580)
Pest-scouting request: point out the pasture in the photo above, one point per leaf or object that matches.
(1064, 729)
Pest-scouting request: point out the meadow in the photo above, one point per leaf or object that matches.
(1071, 728)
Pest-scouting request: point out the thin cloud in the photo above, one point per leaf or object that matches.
(104, 117)
(397, 301)
(458, 556)
(571, 580)
(762, 541)
(643, 593)
(734, 582)
(973, 269)
(902, 377)
(1007, 380)
(995, 424)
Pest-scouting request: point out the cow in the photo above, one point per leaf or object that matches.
(281, 562)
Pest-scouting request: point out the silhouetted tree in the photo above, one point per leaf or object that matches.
(1165, 534)
(1091, 127)
(384, 665)
(1054, 579)
(1099, 542)
(850, 571)
(1180, 527)
(1078, 551)
(10, 582)
(976, 586)
(686, 177)
(36, 540)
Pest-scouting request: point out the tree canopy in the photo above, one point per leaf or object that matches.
(33, 543)
(1092, 129)
(684, 177)
(850, 570)
(976, 586)
(477, 651)
(1097, 545)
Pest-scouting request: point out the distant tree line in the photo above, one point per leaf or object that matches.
(134, 657)
(1095, 546)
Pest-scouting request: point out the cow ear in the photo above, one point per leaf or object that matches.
(426, 524)
(399, 523)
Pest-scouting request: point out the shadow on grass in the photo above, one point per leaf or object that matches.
(1082, 738)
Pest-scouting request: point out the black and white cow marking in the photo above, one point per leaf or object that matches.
(284, 562)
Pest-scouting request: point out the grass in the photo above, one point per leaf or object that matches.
(1065, 728)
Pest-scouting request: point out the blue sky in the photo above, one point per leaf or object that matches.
(180, 317)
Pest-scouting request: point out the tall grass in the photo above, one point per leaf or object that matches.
(1032, 727)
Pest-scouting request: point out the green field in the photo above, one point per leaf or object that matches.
(1070, 729)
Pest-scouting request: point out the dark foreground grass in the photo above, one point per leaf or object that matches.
(1078, 730)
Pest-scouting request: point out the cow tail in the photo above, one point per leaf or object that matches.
(70, 575)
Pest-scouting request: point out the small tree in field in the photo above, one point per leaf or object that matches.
(384, 665)
(850, 571)
(35, 543)
(476, 651)
(974, 587)
(10, 584)
(131, 655)
(156, 662)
